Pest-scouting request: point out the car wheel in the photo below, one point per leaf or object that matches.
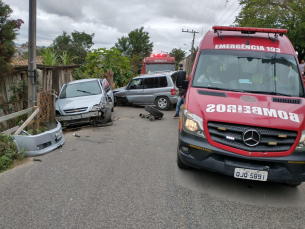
(154, 111)
(180, 164)
(163, 103)
(293, 184)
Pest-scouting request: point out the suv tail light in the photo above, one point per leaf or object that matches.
(173, 91)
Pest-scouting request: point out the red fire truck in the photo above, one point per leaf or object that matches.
(244, 107)
(158, 62)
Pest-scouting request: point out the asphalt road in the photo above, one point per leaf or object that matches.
(125, 176)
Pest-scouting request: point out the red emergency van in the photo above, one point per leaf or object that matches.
(244, 107)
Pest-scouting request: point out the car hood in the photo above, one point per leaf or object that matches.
(78, 102)
(246, 108)
(119, 89)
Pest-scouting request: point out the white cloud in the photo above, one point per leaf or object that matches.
(112, 19)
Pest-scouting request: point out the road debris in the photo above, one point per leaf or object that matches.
(75, 135)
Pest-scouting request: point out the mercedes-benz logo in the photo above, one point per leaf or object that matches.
(251, 137)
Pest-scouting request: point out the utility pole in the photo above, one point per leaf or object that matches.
(193, 32)
(32, 86)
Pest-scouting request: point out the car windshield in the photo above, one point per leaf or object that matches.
(80, 89)
(253, 72)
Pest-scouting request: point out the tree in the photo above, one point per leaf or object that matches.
(101, 60)
(136, 46)
(137, 43)
(77, 45)
(8, 33)
(286, 14)
(179, 55)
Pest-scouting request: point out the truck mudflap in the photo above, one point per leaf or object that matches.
(198, 153)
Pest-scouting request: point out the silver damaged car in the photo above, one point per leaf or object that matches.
(85, 101)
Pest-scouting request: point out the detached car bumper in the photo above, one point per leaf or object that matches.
(202, 155)
(36, 145)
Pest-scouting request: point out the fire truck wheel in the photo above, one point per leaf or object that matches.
(162, 103)
(293, 184)
(180, 164)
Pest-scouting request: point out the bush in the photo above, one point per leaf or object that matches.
(8, 152)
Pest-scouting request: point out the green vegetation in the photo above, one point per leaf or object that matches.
(8, 152)
(50, 57)
(100, 60)
(288, 14)
(77, 45)
(136, 46)
(8, 28)
(19, 89)
(179, 55)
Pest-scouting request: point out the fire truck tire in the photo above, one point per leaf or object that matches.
(293, 184)
(162, 103)
(180, 164)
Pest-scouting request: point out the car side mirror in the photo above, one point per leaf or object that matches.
(180, 78)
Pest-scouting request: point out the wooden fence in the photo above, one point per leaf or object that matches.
(46, 104)
(29, 121)
(53, 78)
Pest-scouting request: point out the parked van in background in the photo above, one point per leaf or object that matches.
(244, 108)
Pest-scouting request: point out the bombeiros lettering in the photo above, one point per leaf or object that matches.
(221, 108)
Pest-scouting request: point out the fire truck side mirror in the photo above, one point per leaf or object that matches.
(180, 78)
(139, 71)
(140, 65)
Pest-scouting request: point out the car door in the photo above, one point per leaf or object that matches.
(134, 91)
(149, 91)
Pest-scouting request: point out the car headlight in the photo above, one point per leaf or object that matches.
(96, 107)
(301, 144)
(193, 124)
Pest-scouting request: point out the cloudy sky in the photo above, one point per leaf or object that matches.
(109, 20)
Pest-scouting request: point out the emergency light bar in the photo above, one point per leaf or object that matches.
(159, 55)
(250, 29)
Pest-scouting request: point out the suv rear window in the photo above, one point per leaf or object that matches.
(162, 81)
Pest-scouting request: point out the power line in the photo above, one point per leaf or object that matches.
(193, 32)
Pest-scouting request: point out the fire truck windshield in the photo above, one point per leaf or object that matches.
(159, 67)
(248, 71)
